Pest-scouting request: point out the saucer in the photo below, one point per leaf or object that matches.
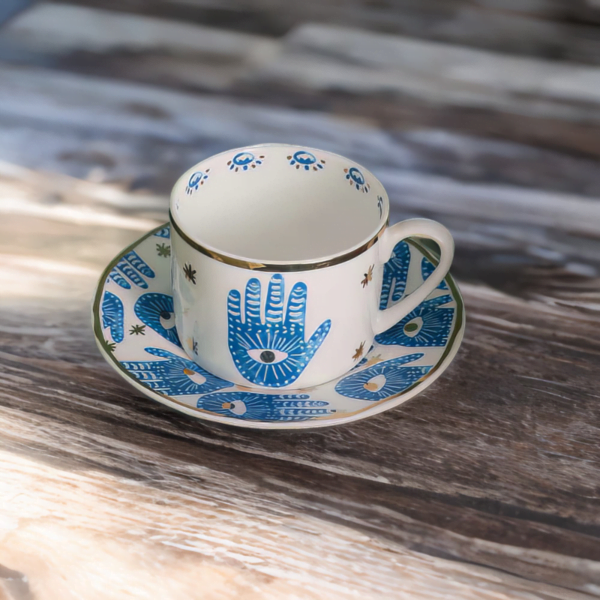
(134, 327)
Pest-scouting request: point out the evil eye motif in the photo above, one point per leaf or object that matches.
(264, 407)
(427, 269)
(382, 380)
(428, 325)
(273, 353)
(113, 316)
(175, 376)
(196, 180)
(306, 160)
(357, 179)
(395, 273)
(131, 268)
(156, 311)
(244, 161)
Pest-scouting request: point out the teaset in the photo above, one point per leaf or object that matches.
(278, 296)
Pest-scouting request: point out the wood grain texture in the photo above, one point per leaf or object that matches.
(484, 487)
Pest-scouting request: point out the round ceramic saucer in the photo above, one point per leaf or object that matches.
(135, 330)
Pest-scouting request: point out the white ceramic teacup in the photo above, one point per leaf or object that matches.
(278, 261)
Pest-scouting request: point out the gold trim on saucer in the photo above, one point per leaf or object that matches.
(275, 267)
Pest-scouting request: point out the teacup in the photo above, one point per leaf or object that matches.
(278, 254)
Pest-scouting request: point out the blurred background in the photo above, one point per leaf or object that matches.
(484, 114)
(481, 114)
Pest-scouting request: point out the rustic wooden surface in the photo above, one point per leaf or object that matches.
(484, 115)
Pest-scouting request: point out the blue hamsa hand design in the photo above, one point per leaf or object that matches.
(113, 316)
(131, 268)
(264, 407)
(273, 353)
(427, 269)
(175, 376)
(382, 380)
(395, 272)
(156, 311)
(428, 325)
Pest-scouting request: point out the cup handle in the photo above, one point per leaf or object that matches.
(423, 228)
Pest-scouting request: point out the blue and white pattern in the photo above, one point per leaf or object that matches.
(427, 268)
(264, 407)
(165, 232)
(266, 337)
(395, 273)
(175, 376)
(382, 380)
(156, 311)
(131, 268)
(273, 353)
(243, 161)
(113, 316)
(357, 179)
(426, 326)
(195, 181)
(306, 160)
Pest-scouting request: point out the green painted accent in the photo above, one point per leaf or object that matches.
(410, 327)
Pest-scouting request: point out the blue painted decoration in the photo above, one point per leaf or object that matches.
(195, 181)
(244, 161)
(252, 406)
(428, 325)
(305, 160)
(165, 232)
(131, 268)
(113, 316)
(273, 353)
(357, 179)
(156, 311)
(427, 268)
(380, 205)
(174, 376)
(382, 380)
(395, 272)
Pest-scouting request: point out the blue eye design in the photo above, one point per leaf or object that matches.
(252, 406)
(196, 180)
(156, 311)
(428, 325)
(174, 376)
(273, 353)
(305, 160)
(382, 380)
(357, 179)
(113, 316)
(244, 161)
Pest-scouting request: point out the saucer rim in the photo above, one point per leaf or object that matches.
(419, 386)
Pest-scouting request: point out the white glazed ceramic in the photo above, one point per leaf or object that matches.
(278, 257)
(134, 327)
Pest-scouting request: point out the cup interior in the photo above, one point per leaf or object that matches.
(278, 203)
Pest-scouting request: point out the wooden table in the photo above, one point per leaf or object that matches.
(487, 485)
